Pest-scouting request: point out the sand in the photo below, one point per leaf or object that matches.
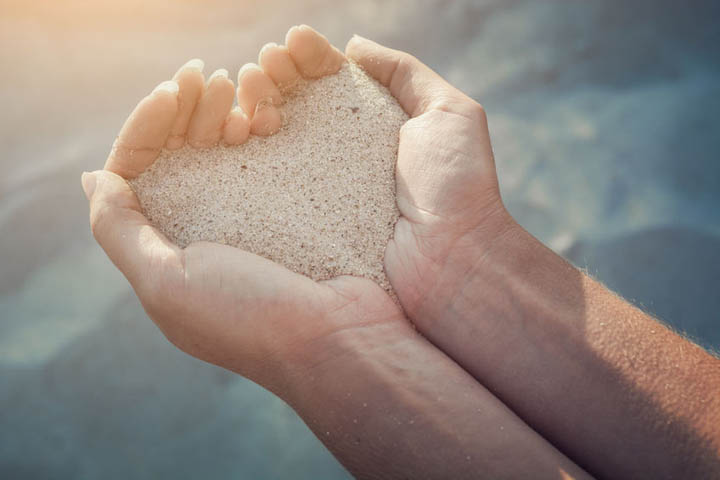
(317, 197)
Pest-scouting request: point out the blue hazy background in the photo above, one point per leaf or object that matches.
(604, 120)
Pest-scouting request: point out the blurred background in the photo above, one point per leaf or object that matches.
(604, 118)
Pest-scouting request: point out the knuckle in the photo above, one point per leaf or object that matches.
(404, 66)
(478, 111)
(450, 102)
(99, 220)
(405, 60)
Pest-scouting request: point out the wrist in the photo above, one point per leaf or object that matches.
(497, 276)
(461, 262)
(341, 372)
(353, 321)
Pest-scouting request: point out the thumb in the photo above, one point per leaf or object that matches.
(137, 248)
(416, 86)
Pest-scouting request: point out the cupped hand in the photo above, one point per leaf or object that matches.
(447, 188)
(219, 303)
(243, 312)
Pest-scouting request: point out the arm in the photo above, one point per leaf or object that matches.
(610, 386)
(341, 352)
(386, 402)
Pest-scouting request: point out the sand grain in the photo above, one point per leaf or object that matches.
(317, 197)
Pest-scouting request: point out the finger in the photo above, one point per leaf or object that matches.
(145, 132)
(312, 53)
(191, 82)
(138, 249)
(258, 96)
(267, 119)
(237, 127)
(275, 60)
(253, 86)
(416, 87)
(206, 124)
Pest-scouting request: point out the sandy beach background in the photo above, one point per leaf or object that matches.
(605, 127)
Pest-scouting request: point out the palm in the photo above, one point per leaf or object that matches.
(235, 309)
(446, 186)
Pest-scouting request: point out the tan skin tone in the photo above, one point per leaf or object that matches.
(497, 310)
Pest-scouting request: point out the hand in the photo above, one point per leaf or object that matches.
(555, 346)
(300, 338)
(215, 302)
(447, 188)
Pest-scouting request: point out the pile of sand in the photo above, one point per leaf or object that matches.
(317, 197)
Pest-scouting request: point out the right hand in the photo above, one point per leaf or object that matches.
(447, 187)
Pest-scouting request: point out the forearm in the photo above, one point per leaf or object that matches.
(389, 405)
(614, 389)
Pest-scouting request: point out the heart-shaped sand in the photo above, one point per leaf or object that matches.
(317, 197)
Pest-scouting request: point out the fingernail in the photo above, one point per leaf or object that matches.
(246, 68)
(263, 103)
(220, 72)
(289, 32)
(359, 37)
(89, 181)
(265, 121)
(167, 86)
(306, 28)
(194, 64)
(264, 50)
(268, 46)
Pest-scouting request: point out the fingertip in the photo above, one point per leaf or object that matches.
(190, 71)
(255, 86)
(354, 41)
(206, 124)
(194, 64)
(104, 179)
(192, 84)
(415, 85)
(267, 119)
(291, 32)
(88, 181)
(220, 73)
(276, 62)
(169, 86)
(250, 73)
(237, 127)
(312, 53)
(266, 47)
(145, 131)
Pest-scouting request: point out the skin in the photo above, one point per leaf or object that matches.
(554, 345)
(498, 311)
(191, 83)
